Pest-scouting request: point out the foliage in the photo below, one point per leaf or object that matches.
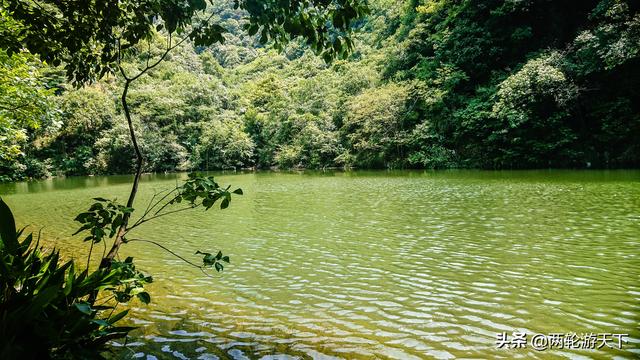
(25, 103)
(376, 125)
(133, 38)
(105, 217)
(204, 189)
(215, 261)
(44, 303)
(224, 144)
(429, 84)
(88, 37)
(504, 84)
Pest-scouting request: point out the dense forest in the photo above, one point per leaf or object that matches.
(431, 84)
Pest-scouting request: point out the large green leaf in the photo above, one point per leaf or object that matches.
(7, 229)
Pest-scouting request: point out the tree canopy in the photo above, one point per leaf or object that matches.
(89, 37)
(428, 84)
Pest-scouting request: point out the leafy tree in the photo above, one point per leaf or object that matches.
(76, 133)
(376, 125)
(25, 103)
(224, 144)
(504, 84)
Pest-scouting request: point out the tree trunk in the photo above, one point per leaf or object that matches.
(108, 259)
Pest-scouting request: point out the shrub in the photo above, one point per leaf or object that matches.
(47, 305)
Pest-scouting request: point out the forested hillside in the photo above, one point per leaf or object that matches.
(431, 84)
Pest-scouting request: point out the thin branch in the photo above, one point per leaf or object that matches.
(40, 6)
(151, 207)
(172, 253)
(164, 198)
(90, 252)
(165, 205)
(166, 52)
(142, 221)
(124, 75)
(108, 298)
(150, 202)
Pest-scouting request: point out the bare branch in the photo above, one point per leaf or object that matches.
(172, 253)
(142, 221)
(152, 206)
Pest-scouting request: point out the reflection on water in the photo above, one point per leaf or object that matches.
(403, 265)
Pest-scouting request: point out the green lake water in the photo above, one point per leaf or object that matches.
(389, 265)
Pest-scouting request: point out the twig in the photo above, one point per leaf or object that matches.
(89, 257)
(107, 300)
(163, 198)
(148, 53)
(166, 52)
(150, 207)
(142, 221)
(172, 253)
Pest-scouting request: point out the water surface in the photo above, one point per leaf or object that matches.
(359, 265)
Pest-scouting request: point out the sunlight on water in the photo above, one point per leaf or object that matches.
(403, 265)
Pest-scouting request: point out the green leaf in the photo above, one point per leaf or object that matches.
(219, 267)
(96, 206)
(82, 228)
(113, 319)
(8, 229)
(83, 217)
(225, 203)
(84, 307)
(208, 260)
(264, 36)
(208, 203)
(136, 291)
(144, 297)
(225, 259)
(68, 286)
(117, 221)
(101, 322)
(238, 191)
